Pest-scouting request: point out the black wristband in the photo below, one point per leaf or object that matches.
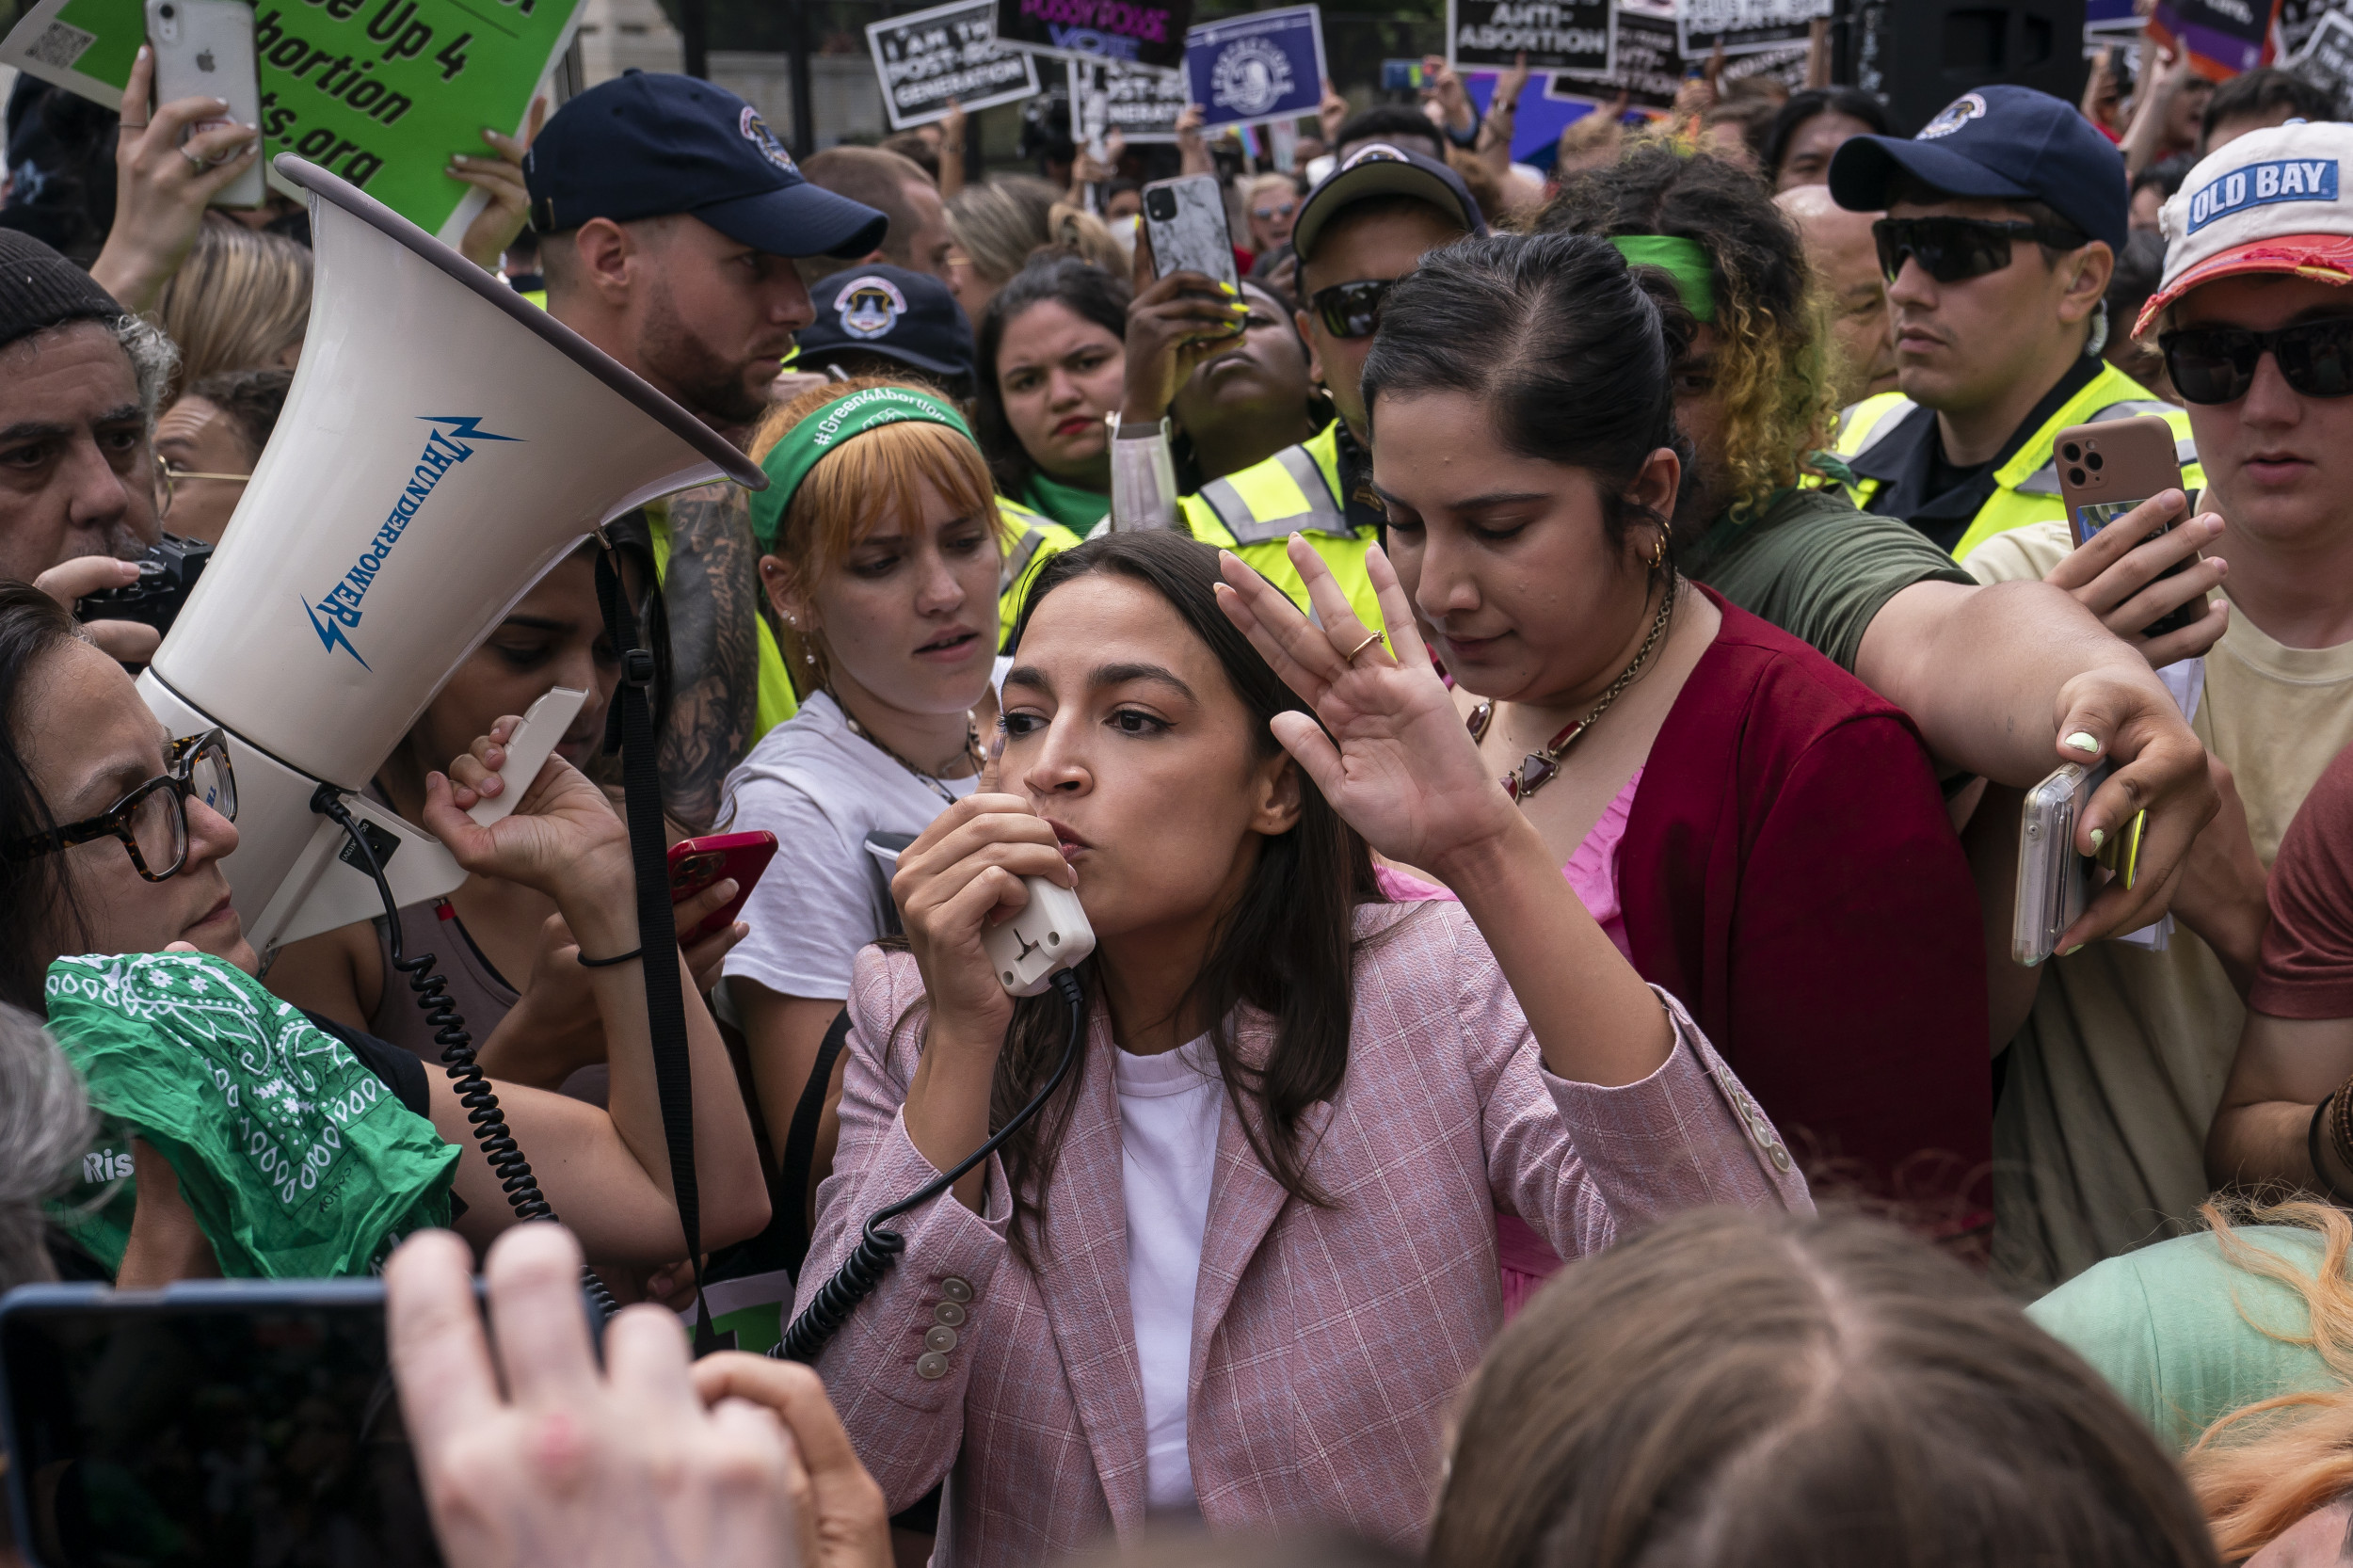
(588, 963)
(2312, 1152)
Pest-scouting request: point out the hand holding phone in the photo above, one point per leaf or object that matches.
(697, 863)
(204, 49)
(2111, 469)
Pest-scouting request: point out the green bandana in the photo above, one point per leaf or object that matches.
(825, 428)
(1694, 274)
(297, 1159)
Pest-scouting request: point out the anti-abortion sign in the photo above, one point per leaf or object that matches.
(1253, 68)
(382, 92)
(1572, 35)
(1745, 26)
(1649, 66)
(1140, 32)
(1140, 103)
(2223, 37)
(2327, 54)
(926, 57)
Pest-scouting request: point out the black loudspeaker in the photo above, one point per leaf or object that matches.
(1921, 55)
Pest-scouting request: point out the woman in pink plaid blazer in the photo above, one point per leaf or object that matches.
(1347, 1278)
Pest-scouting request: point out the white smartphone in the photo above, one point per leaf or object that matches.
(1185, 220)
(204, 49)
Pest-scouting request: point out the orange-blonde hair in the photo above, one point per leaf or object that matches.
(855, 488)
(2259, 1469)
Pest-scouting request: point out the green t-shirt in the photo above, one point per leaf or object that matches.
(2178, 1330)
(1817, 569)
(1074, 508)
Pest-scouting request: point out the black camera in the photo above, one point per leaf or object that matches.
(1160, 205)
(166, 575)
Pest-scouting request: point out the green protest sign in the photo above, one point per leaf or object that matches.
(383, 93)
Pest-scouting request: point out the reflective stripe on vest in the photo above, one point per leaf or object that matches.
(1287, 492)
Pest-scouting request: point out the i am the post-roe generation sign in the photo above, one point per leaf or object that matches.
(1140, 32)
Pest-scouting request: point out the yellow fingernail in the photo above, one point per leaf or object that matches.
(2071, 952)
(2083, 741)
(2096, 836)
(1231, 289)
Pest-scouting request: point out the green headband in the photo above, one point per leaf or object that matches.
(1694, 274)
(828, 428)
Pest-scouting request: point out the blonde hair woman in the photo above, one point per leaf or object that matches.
(241, 301)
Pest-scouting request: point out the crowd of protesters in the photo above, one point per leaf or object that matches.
(1535, 684)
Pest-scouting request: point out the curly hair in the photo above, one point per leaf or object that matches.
(1774, 369)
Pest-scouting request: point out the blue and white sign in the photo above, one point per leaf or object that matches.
(1249, 70)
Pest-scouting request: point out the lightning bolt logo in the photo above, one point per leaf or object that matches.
(331, 634)
(464, 427)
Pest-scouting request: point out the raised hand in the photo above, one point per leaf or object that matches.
(1392, 755)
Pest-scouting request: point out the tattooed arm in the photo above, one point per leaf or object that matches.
(711, 591)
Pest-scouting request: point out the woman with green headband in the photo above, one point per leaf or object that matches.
(880, 552)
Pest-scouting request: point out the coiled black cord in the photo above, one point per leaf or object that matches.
(457, 1054)
(877, 1248)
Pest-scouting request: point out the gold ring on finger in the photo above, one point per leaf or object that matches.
(196, 160)
(1371, 638)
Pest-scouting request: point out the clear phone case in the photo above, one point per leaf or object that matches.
(2054, 882)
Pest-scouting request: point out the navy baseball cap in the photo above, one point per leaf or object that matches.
(2006, 143)
(892, 313)
(1378, 169)
(649, 144)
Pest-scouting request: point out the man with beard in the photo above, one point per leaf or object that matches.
(669, 216)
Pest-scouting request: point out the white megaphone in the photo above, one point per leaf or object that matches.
(443, 445)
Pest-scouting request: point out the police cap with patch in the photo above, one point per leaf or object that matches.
(649, 144)
(2002, 143)
(907, 318)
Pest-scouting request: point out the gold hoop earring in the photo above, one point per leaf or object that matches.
(1659, 550)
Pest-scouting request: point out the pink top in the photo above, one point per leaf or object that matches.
(1592, 870)
(1523, 1259)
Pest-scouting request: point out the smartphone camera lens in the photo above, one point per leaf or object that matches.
(2073, 453)
(1159, 205)
(2091, 461)
(2074, 477)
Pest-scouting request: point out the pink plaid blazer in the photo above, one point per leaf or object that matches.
(1327, 1343)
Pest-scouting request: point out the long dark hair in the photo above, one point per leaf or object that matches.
(1081, 287)
(1563, 344)
(1286, 948)
(33, 894)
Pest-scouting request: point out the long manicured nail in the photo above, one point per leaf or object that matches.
(1231, 289)
(2082, 741)
(2096, 836)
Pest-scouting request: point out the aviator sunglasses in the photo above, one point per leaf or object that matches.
(1955, 249)
(2216, 364)
(1351, 310)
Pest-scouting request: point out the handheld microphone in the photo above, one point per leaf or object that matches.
(1040, 947)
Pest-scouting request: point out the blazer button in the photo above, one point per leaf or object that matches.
(942, 1339)
(948, 1313)
(1781, 1158)
(956, 1290)
(931, 1366)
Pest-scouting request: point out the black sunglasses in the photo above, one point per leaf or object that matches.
(152, 820)
(1351, 310)
(2216, 364)
(1955, 249)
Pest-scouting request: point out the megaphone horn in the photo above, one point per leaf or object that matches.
(443, 444)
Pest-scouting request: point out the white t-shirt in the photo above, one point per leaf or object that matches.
(821, 791)
(1168, 1119)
